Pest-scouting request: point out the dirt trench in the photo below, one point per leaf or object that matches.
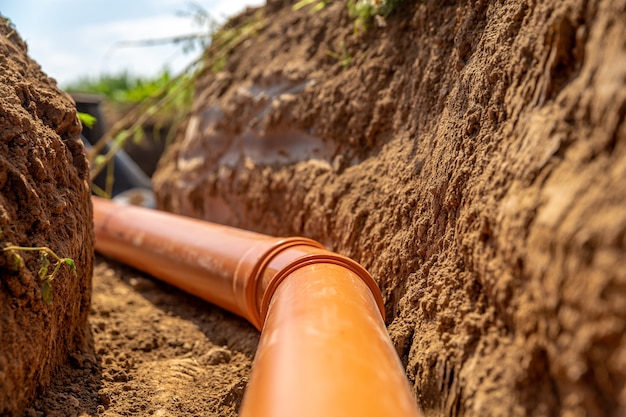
(471, 155)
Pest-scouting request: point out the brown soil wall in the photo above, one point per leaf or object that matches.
(44, 201)
(471, 155)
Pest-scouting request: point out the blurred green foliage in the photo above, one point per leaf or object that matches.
(124, 87)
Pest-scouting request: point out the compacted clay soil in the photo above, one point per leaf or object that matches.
(44, 202)
(471, 155)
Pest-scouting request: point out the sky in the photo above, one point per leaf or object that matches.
(71, 39)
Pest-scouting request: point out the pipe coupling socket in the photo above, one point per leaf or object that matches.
(270, 262)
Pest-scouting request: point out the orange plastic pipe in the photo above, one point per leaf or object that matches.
(324, 348)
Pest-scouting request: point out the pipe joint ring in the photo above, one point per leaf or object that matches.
(315, 255)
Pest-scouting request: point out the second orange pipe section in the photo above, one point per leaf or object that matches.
(324, 348)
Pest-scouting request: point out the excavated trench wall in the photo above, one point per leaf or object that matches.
(44, 201)
(471, 155)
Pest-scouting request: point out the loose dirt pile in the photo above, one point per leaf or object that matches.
(155, 351)
(44, 202)
(470, 154)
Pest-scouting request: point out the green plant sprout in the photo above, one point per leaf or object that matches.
(86, 119)
(363, 11)
(9, 24)
(44, 274)
(344, 58)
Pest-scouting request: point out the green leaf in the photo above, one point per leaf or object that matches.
(70, 263)
(87, 119)
(46, 292)
(18, 262)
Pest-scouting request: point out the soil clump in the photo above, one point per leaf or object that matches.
(44, 202)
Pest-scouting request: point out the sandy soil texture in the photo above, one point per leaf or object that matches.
(470, 154)
(154, 351)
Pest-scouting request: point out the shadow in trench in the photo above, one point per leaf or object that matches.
(75, 386)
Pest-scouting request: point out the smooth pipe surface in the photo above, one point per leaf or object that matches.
(217, 263)
(325, 351)
(175, 249)
(324, 348)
